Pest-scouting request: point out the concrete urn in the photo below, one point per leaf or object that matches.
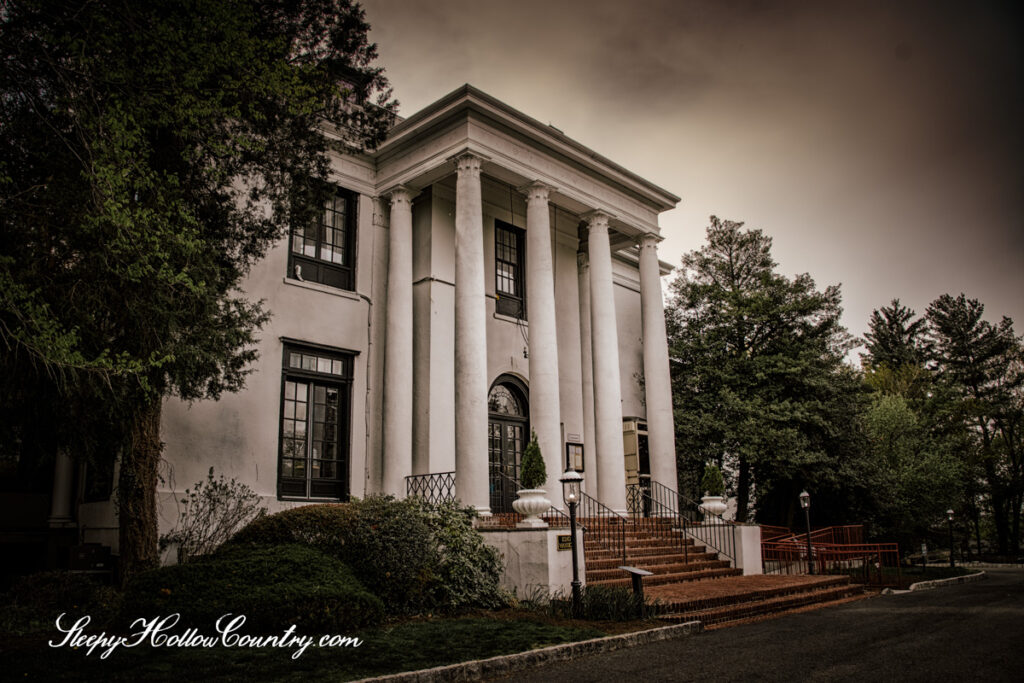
(531, 503)
(713, 504)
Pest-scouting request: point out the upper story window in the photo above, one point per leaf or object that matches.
(509, 270)
(325, 251)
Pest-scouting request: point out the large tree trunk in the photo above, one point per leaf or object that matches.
(743, 491)
(137, 493)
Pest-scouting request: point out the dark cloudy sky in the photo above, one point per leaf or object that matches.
(879, 144)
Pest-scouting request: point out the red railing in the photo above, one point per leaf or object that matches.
(876, 564)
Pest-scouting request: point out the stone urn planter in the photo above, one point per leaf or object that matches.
(713, 504)
(532, 503)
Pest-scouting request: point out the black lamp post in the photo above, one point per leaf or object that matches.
(805, 503)
(571, 495)
(949, 517)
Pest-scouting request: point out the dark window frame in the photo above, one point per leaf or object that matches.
(336, 377)
(509, 270)
(323, 242)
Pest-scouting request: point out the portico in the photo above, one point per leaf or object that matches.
(515, 252)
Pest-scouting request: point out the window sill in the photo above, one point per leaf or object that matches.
(511, 319)
(326, 289)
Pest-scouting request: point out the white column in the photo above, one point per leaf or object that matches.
(60, 501)
(611, 473)
(657, 380)
(471, 463)
(397, 428)
(587, 376)
(545, 411)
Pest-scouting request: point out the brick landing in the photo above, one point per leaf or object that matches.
(733, 587)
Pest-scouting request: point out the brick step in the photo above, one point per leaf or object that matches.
(636, 543)
(769, 606)
(792, 610)
(754, 595)
(601, 552)
(646, 561)
(657, 570)
(678, 577)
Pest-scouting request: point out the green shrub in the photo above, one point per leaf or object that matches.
(602, 603)
(35, 601)
(273, 586)
(712, 483)
(532, 473)
(413, 555)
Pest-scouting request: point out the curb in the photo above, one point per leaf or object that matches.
(507, 664)
(938, 583)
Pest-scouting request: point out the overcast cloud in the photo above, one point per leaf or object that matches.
(879, 144)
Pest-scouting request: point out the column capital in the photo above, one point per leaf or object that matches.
(400, 193)
(468, 161)
(650, 240)
(536, 191)
(598, 218)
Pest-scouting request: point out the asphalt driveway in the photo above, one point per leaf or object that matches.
(967, 632)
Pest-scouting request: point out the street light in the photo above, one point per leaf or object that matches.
(949, 516)
(571, 495)
(805, 503)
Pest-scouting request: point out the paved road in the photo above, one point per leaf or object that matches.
(968, 632)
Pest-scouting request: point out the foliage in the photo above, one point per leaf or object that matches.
(414, 555)
(273, 586)
(894, 338)
(34, 601)
(532, 472)
(214, 511)
(151, 153)
(758, 377)
(982, 365)
(712, 483)
(599, 603)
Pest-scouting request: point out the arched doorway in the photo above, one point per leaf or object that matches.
(508, 425)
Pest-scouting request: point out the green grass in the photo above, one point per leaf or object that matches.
(407, 646)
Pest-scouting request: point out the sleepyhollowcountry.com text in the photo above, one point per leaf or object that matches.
(157, 632)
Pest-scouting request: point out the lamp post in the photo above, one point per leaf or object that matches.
(571, 495)
(805, 503)
(949, 517)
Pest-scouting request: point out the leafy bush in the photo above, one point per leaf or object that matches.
(532, 473)
(35, 601)
(273, 586)
(712, 483)
(597, 603)
(214, 510)
(414, 555)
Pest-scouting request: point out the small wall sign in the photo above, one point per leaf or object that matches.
(564, 541)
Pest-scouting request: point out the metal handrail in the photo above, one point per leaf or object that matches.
(602, 524)
(712, 530)
(644, 503)
(863, 562)
(438, 487)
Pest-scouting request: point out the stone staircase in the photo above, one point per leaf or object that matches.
(693, 584)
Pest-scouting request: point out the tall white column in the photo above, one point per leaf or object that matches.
(545, 411)
(587, 375)
(471, 461)
(611, 473)
(397, 428)
(657, 380)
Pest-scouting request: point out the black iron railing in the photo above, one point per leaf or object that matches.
(602, 525)
(655, 510)
(433, 488)
(657, 500)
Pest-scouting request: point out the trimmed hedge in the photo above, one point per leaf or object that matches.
(274, 586)
(414, 556)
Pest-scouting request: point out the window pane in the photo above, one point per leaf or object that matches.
(327, 469)
(289, 390)
(337, 368)
(323, 365)
(300, 392)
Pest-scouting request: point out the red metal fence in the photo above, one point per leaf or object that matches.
(875, 564)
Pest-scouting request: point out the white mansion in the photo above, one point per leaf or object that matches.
(479, 276)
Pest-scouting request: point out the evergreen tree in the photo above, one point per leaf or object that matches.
(894, 338)
(758, 379)
(983, 364)
(150, 153)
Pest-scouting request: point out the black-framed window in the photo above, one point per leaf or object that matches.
(313, 457)
(324, 251)
(509, 270)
